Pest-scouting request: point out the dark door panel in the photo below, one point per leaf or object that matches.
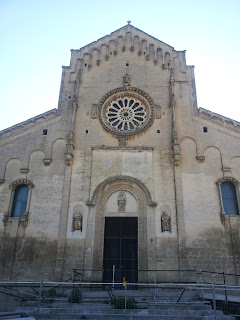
(121, 249)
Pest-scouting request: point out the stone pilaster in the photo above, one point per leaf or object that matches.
(63, 225)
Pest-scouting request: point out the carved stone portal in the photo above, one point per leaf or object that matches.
(98, 245)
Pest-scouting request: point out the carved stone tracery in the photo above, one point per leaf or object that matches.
(126, 111)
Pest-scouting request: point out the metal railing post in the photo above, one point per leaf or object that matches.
(155, 282)
(225, 291)
(39, 298)
(125, 299)
(214, 301)
(113, 277)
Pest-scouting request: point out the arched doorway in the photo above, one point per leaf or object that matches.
(107, 193)
(121, 237)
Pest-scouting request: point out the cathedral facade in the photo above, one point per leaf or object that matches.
(128, 173)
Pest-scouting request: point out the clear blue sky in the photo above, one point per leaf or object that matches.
(37, 35)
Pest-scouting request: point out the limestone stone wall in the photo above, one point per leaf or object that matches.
(80, 165)
(29, 251)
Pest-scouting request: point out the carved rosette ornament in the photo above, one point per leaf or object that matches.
(126, 111)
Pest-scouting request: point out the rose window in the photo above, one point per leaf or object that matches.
(126, 114)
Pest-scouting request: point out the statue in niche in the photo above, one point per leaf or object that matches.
(121, 201)
(94, 112)
(77, 221)
(127, 81)
(165, 222)
(70, 142)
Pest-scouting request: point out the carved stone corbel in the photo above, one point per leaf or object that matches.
(200, 158)
(24, 170)
(1, 182)
(226, 169)
(47, 161)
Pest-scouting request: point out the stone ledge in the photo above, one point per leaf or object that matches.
(122, 148)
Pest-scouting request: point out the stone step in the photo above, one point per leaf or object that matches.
(86, 306)
(132, 316)
(92, 310)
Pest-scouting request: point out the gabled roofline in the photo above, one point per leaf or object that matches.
(91, 43)
(218, 119)
(33, 120)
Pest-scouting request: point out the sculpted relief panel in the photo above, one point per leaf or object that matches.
(121, 203)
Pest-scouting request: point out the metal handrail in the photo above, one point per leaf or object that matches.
(167, 270)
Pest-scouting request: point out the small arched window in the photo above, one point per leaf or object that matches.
(20, 201)
(229, 198)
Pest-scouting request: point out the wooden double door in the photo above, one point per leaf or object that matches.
(120, 249)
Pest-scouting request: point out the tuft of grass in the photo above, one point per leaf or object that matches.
(119, 303)
(75, 296)
(51, 294)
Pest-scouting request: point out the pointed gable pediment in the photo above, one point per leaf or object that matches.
(124, 40)
(126, 33)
